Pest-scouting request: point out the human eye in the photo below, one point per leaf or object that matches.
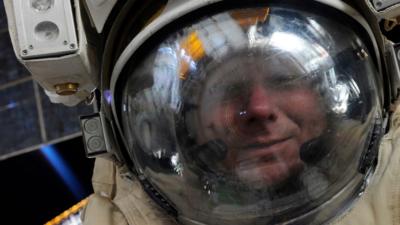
(233, 90)
(285, 81)
(227, 91)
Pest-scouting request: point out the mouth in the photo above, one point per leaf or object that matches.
(263, 153)
(268, 163)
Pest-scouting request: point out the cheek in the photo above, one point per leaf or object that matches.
(220, 117)
(305, 108)
(214, 122)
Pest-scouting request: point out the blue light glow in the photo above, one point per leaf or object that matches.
(108, 96)
(11, 105)
(63, 170)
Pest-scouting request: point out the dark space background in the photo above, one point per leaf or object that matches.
(33, 193)
(40, 184)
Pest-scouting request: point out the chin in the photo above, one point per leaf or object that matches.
(268, 174)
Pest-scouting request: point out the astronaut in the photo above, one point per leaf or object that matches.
(226, 112)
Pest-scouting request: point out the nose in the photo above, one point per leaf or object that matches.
(259, 111)
(261, 105)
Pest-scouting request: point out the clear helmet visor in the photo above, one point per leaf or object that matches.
(251, 116)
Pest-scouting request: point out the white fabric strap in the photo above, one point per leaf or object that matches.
(137, 207)
(380, 204)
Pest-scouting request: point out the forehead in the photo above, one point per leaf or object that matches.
(246, 66)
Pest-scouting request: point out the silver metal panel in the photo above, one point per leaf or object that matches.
(27, 118)
(45, 33)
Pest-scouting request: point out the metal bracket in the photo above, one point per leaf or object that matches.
(96, 141)
(383, 4)
(389, 24)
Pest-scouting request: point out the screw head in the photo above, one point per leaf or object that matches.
(378, 4)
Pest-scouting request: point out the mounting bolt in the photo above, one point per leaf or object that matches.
(66, 88)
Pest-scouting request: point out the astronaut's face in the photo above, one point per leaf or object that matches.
(263, 119)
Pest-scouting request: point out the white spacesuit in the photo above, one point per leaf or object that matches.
(378, 205)
(226, 112)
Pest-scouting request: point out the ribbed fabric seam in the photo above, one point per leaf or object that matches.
(128, 209)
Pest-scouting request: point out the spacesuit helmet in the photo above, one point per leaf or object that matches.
(251, 113)
(227, 112)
